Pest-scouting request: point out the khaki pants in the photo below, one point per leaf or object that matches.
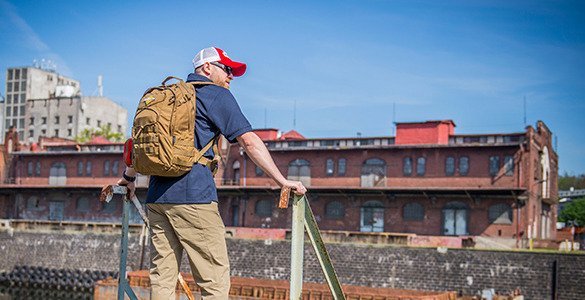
(199, 230)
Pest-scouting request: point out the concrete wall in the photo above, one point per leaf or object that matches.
(376, 266)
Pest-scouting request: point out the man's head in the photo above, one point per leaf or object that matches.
(214, 64)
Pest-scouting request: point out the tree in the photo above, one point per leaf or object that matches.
(567, 181)
(106, 131)
(574, 212)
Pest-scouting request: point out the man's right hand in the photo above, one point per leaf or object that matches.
(297, 187)
(129, 185)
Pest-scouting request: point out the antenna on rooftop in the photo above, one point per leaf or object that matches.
(393, 117)
(524, 110)
(295, 116)
(100, 86)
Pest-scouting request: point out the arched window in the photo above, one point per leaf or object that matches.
(545, 167)
(329, 167)
(263, 208)
(450, 166)
(80, 168)
(334, 210)
(463, 165)
(372, 217)
(30, 169)
(421, 166)
(341, 167)
(300, 169)
(88, 168)
(494, 165)
(58, 174)
(373, 173)
(236, 172)
(413, 212)
(107, 168)
(500, 214)
(83, 204)
(407, 166)
(115, 171)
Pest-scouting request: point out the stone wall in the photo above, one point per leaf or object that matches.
(377, 266)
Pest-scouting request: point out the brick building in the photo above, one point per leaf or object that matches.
(426, 180)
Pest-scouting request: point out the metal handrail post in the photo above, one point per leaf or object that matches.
(297, 248)
(123, 285)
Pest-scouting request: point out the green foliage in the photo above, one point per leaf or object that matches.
(574, 212)
(106, 131)
(567, 181)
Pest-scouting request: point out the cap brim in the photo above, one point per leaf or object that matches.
(238, 68)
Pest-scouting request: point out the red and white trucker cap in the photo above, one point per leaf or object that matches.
(212, 54)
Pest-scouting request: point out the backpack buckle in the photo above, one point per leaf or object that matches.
(213, 166)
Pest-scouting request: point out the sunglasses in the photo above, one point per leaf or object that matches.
(226, 69)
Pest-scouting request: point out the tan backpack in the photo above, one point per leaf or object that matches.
(163, 132)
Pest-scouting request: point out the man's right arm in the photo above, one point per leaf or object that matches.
(259, 154)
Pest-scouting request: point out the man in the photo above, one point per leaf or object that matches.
(183, 210)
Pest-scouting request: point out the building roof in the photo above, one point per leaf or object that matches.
(292, 135)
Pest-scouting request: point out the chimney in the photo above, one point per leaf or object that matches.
(428, 132)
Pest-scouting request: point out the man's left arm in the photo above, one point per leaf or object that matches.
(259, 154)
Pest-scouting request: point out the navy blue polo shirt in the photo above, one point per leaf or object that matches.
(217, 112)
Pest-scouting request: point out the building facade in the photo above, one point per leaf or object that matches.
(426, 180)
(43, 103)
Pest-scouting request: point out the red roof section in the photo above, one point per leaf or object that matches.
(99, 140)
(292, 135)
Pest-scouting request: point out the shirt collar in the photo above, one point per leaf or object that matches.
(197, 77)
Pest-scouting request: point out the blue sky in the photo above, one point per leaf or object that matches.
(344, 63)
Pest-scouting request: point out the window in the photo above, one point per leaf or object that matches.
(263, 208)
(10, 74)
(109, 207)
(58, 174)
(83, 204)
(413, 212)
(509, 165)
(56, 119)
(115, 165)
(43, 132)
(236, 168)
(407, 166)
(44, 120)
(69, 132)
(334, 210)
(32, 121)
(450, 166)
(500, 214)
(341, 166)
(80, 168)
(31, 133)
(329, 167)
(421, 166)
(38, 168)
(372, 216)
(32, 203)
(373, 173)
(463, 165)
(69, 119)
(88, 168)
(107, 168)
(259, 171)
(30, 168)
(87, 121)
(299, 169)
(120, 128)
(23, 86)
(56, 132)
(99, 123)
(494, 165)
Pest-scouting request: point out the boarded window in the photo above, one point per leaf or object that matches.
(264, 208)
(83, 204)
(413, 212)
(500, 214)
(334, 210)
(463, 165)
(494, 165)
(421, 166)
(299, 169)
(407, 166)
(509, 165)
(329, 167)
(373, 173)
(341, 167)
(450, 166)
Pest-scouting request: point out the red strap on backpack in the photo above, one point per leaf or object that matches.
(128, 152)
